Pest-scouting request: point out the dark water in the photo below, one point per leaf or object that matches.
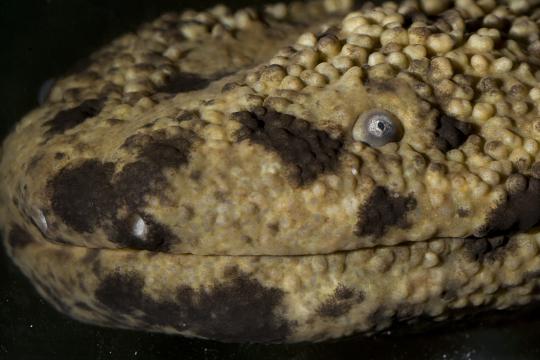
(39, 40)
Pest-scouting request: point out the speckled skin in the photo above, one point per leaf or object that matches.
(202, 176)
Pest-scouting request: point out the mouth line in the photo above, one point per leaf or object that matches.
(478, 245)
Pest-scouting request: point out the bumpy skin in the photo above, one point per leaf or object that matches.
(201, 176)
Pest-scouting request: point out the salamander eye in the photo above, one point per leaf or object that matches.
(377, 128)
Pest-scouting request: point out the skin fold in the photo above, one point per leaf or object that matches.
(215, 174)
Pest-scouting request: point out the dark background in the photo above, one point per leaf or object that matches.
(40, 40)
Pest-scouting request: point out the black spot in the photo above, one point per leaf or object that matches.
(519, 213)
(408, 19)
(19, 238)
(451, 133)
(383, 210)
(83, 195)
(238, 310)
(91, 194)
(474, 24)
(344, 293)
(274, 227)
(463, 212)
(449, 294)
(67, 119)
(310, 152)
(488, 249)
(504, 25)
(340, 302)
(59, 156)
(184, 82)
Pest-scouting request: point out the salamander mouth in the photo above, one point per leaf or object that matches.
(295, 296)
(477, 249)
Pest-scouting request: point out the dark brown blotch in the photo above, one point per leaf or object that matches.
(462, 212)
(451, 133)
(163, 150)
(240, 309)
(383, 210)
(488, 249)
(18, 237)
(83, 195)
(121, 292)
(520, 211)
(91, 194)
(145, 175)
(67, 119)
(340, 302)
(308, 151)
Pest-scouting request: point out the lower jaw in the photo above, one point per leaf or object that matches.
(283, 298)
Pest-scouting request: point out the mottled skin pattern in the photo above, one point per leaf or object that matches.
(200, 176)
